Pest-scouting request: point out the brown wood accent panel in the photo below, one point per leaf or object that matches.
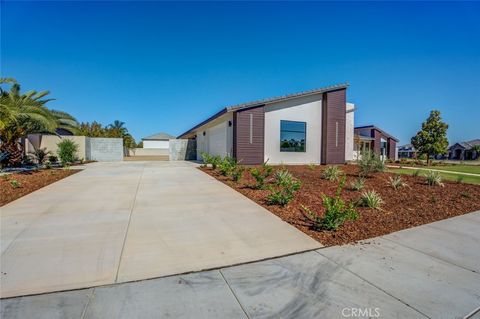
(333, 127)
(391, 148)
(249, 135)
(377, 135)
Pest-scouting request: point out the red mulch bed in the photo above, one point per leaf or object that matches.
(407, 207)
(29, 182)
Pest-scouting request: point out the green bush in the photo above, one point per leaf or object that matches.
(15, 183)
(371, 199)
(238, 173)
(261, 174)
(285, 187)
(227, 165)
(433, 178)
(337, 211)
(369, 163)
(332, 173)
(357, 184)
(67, 150)
(396, 182)
(312, 166)
(206, 158)
(52, 159)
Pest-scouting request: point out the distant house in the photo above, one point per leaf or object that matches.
(158, 141)
(464, 150)
(377, 140)
(407, 151)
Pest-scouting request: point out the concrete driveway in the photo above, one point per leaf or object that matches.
(430, 271)
(118, 222)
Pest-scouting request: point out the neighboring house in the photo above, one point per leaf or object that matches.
(407, 151)
(373, 138)
(160, 140)
(309, 127)
(464, 150)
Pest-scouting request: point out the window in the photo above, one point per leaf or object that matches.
(293, 136)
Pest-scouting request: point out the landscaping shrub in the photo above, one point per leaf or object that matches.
(369, 163)
(357, 184)
(332, 173)
(371, 199)
(53, 159)
(396, 182)
(67, 151)
(285, 187)
(261, 174)
(215, 161)
(40, 155)
(312, 166)
(227, 165)
(337, 211)
(238, 173)
(433, 178)
(15, 183)
(206, 158)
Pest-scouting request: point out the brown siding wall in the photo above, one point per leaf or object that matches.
(391, 148)
(248, 151)
(376, 144)
(333, 118)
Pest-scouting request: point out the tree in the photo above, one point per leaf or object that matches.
(432, 138)
(93, 129)
(117, 129)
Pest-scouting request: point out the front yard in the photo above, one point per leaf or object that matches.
(16, 185)
(449, 174)
(414, 204)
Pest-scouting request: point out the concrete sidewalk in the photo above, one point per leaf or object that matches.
(429, 271)
(118, 222)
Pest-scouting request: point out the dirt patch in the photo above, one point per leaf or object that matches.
(407, 207)
(13, 186)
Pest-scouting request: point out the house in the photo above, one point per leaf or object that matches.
(308, 127)
(407, 151)
(464, 150)
(376, 139)
(158, 141)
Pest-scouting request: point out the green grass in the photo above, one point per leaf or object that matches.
(447, 176)
(474, 169)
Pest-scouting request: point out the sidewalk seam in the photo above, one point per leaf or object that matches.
(233, 293)
(90, 297)
(368, 282)
(128, 224)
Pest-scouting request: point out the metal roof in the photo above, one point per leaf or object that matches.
(271, 100)
(378, 129)
(158, 136)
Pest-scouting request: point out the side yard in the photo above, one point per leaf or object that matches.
(367, 207)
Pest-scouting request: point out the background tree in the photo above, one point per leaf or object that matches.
(432, 138)
(93, 129)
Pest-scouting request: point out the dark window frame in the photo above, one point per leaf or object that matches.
(304, 132)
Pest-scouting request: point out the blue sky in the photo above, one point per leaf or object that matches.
(166, 66)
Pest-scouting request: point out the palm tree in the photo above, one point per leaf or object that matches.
(117, 129)
(23, 114)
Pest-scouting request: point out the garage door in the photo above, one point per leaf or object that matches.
(217, 140)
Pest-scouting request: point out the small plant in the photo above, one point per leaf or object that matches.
(433, 199)
(67, 150)
(5, 177)
(238, 173)
(285, 187)
(227, 165)
(40, 154)
(416, 173)
(311, 166)
(261, 174)
(433, 178)
(369, 163)
(207, 159)
(460, 179)
(332, 173)
(48, 165)
(357, 184)
(396, 182)
(337, 211)
(371, 199)
(465, 194)
(215, 161)
(15, 183)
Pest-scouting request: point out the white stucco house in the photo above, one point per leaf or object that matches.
(157, 141)
(308, 127)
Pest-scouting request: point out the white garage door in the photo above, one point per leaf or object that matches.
(217, 140)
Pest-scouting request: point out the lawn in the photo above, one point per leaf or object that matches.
(448, 176)
(16, 185)
(406, 207)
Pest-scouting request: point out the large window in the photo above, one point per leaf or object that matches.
(293, 136)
